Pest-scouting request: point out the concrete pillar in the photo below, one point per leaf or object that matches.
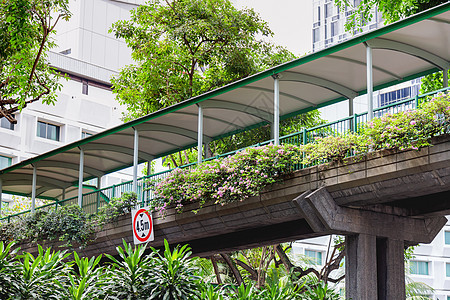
(80, 179)
(33, 190)
(200, 135)
(276, 110)
(390, 269)
(361, 267)
(445, 74)
(135, 159)
(369, 82)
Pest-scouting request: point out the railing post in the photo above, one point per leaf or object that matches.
(113, 194)
(304, 137)
(416, 101)
(33, 190)
(445, 77)
(355, 123)
(200, 135)
(80, 179)
(135, 159)
(276, 109)
(369, 82)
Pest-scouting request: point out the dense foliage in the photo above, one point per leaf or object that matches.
(226, 180)
(68, 224)
(27, 27)
(403, 130)
(133, 275)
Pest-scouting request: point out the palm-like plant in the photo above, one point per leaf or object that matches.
(38, 277)
(7, 270)
(87, 283)
(126, 278)
(172, 275)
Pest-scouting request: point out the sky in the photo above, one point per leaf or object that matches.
(290, 20)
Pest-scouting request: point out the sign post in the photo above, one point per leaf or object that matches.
(142, 224)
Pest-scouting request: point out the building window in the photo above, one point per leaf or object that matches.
(48, 131)
(334, 29)
(85, 134)
(447, 269)
(4, 123)
(316, 256)
(84, 88)
(447, 237)
(5, 162)
(419, 267)
(316, 35)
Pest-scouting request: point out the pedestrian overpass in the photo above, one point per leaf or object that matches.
(399, 52)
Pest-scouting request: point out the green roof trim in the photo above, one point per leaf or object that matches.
(232, 86)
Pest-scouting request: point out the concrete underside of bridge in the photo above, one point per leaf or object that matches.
(380, 202)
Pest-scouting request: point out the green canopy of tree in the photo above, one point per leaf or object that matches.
(183, 48)
(25, 77)
(391, 10)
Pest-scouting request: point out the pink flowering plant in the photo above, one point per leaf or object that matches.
(410, 129)
(401, 131)
(230, 179)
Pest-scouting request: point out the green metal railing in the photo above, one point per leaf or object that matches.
(92, 201)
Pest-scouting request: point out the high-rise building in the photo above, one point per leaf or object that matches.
(89, 55)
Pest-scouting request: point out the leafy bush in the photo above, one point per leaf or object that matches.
(226, 180)
(116, 207)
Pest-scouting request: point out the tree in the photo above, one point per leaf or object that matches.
(26, 77)
(392, 10)
(184, 48)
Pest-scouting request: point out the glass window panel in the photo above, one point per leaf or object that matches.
(447, 269)
(447, 237)
(315, 255)
(41, 129)
(4, 123)
(5, 162)
(419, 267)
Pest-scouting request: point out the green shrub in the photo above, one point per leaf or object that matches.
(116, 207)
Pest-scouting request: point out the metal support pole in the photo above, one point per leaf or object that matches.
(1, 191)
(33, 190)
(80, 179)
(369, 82)
(200, 135)
(276, 110)
(350, 107)
(135, 159)
(445, 74)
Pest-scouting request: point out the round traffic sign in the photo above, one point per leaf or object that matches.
(142, 225)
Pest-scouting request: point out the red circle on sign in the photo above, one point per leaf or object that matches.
(142, 210)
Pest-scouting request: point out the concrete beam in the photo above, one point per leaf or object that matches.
(324, 215)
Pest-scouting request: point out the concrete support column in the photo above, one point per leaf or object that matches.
(135, 159)
(80, 179)
(200, 135)
(33, 190)
(445, 73)
(361, 267)
(369, 82)
(390, 269)
(276, 110)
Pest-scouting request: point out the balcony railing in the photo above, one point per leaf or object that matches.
(92, 201)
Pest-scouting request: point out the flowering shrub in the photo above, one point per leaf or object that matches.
(333, 148)
(410, 129)
(226, 180)
(403, 130)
